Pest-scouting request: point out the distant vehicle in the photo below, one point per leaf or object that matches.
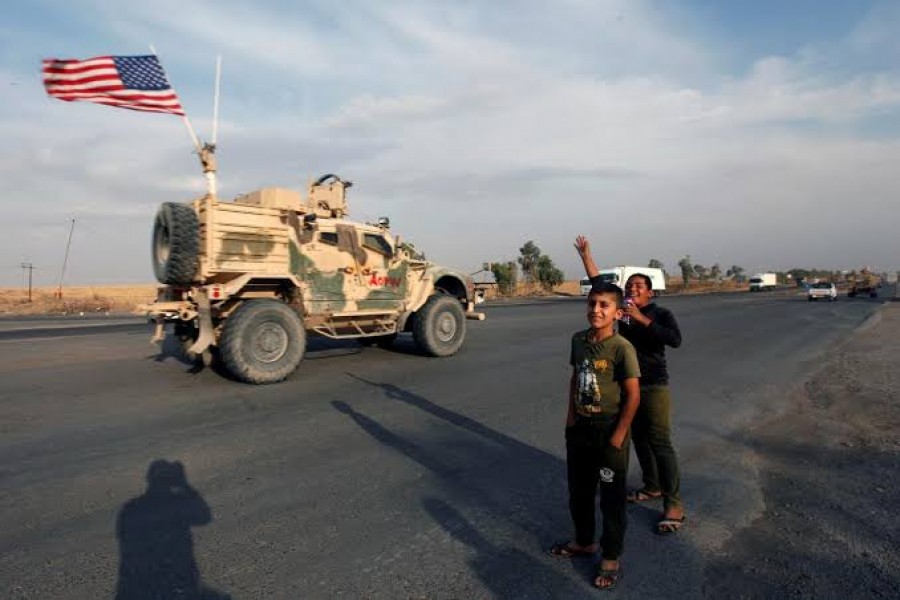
(619, 275)
(822, 289)
(763, 281)
(585, 286)
(865, 282)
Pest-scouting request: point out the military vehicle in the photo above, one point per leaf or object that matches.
(864, 282)
(247, 280)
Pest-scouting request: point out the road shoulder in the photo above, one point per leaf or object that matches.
(829, 465)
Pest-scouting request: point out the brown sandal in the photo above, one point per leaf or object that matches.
(642, 495)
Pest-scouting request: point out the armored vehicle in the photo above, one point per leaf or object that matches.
(865, 282)
(247, 280)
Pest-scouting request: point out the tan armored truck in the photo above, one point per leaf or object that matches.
(247, 280)
(864, 283)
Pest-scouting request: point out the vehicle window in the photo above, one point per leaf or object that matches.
(822, 286)
(377, 243)
(328, 237)
(755, 280)
(609, 278)
(585, 281)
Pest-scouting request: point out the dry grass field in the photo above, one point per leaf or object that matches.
(75, 300)
(124, 298)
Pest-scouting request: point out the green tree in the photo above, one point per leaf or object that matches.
(715, 272)
(547, 274)
(737, 272)
(686, 269)
(506, 275)
(701, 272)
(655, 263)
(528, 260)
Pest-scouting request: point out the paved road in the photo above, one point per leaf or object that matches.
(369, 473)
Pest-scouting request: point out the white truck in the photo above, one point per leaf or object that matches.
(763, 281)
(619, 275)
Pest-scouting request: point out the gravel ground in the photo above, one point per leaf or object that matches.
(830, 527)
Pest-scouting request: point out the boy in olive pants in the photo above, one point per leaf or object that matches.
(603, 398)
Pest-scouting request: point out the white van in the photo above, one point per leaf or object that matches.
(585, 286)
(619, 275)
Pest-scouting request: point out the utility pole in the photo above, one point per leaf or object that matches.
(29, 267)
(65, 260)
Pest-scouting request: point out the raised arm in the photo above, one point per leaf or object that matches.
(584, 251)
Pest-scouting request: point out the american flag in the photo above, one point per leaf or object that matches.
(133, 82)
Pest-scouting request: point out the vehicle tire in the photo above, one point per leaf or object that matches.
(810, 298)
(440, 326)
(851, 294)
(175, 244)
(262, 342)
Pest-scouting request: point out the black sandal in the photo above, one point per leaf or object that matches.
(564, 550)
(611, 576)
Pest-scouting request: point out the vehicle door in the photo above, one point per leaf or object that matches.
(385, 276)
(327, 266)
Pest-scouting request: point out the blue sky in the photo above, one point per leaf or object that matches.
(749, 133)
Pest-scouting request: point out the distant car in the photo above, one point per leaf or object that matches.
(822, 289)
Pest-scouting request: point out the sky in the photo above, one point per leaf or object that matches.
(761, 134)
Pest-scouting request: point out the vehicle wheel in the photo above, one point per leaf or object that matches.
(176, 239)
(440, 326)
(810, 298)
(873, 295)
(262, 342)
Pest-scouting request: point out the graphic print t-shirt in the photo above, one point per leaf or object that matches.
(600, 367)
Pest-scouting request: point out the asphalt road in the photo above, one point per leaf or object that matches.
(369, 473)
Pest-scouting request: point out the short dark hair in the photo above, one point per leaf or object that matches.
(608, 288)
(646, 279)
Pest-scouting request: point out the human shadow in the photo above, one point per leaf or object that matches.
(503, 477)
(503, 569)
(156, 547)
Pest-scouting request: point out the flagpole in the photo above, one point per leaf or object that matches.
(184, 117)
(216, 99)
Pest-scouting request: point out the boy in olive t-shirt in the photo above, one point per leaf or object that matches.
(603, 397)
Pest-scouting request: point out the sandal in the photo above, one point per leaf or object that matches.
(610, 577)
(668, 525)
(565, 550)
(642, 495)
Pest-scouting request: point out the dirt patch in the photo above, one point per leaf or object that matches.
(75, 300)
(830, 526)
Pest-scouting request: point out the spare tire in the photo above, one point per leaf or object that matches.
(176, 244)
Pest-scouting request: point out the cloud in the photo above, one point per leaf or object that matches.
(475, 128)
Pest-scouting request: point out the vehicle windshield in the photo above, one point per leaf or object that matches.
(755, 280)
(822, 285)
(586, 281)
(609, 278)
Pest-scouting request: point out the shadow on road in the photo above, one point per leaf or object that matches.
(156, 547)
(498, 478)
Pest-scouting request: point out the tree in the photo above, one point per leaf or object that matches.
(506, 275)
(547, 274)
(686, 269)
(528, 260)
(655, 263)
(736, 272)
(701, 271)
(715, 272)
